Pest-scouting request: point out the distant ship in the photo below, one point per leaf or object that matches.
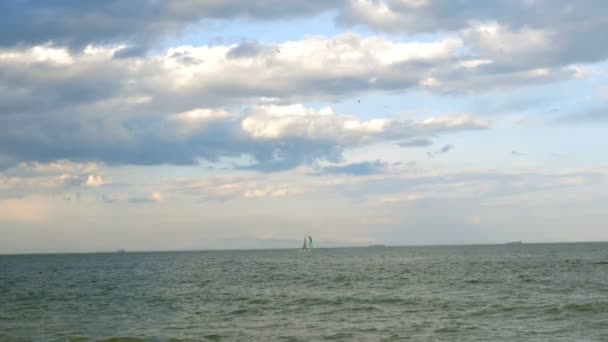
(120, 251)
(377, 245)
(514, 243)
(307, 245)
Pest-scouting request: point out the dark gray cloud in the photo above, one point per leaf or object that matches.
(365, 168)
(444, 149)
(78, 23)
(419, 142)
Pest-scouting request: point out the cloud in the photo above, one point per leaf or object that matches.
(15, 186)
(76, 83)
(356, 169)
(393, 199)
(94, 181)
(275, 137)
(224, 188)
(532, 32)
(85, 105)
(248, 49)
(461, 122)
(187, 77)
(444, 149)
(551, 29)
(482, 185)
(57, 167)
(418, 142)
(76, 23)
(154, 197)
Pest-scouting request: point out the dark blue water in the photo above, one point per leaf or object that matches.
(553, 292)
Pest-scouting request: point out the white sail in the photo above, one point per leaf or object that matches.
(307, 244)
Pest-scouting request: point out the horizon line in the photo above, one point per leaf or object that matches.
(118, 251)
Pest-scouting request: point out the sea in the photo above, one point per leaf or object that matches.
(528, 292)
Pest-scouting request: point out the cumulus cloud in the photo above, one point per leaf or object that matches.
(188, 77)
(532, 28)
(76, 83)
(557, 30)
(275, 137)
(170, 108)
(94, 181)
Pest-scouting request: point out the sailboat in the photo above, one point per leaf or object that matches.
(307, 244)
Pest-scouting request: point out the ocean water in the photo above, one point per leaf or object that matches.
(536, 292)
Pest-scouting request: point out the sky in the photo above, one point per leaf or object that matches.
(204, 124)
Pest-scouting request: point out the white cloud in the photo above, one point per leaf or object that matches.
(43, 54)
(275, 122)
(444, 123)
(223, 188)
(94, 181)
(474, 63)
(499, 43)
